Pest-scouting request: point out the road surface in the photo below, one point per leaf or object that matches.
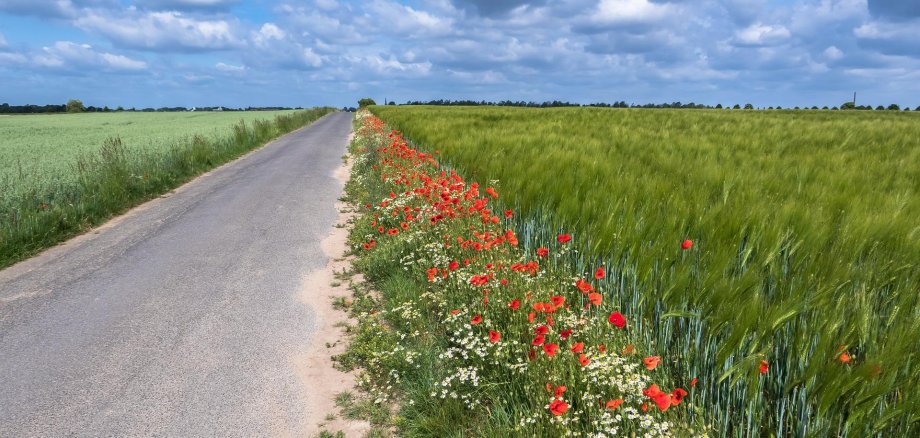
(180, 318)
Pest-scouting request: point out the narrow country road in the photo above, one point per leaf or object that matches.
(181, 318)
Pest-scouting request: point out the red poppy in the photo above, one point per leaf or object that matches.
(613, 404)
(677, 396)
(687, 244)
(601, 348)
(578, 347)
(662, 399)
(494, 336)
(599, 273)
(617, 319)
(565, 334)
(557, 300)
(563, 238)
(693, 382)
(453, 266)
(393, 231)
(595, 298)
(531, 316)
(538, 340)
(550, 349)
(542, 252)
(583, 360)
(514, 304)
(651, 362)
(584, 286)
(509, 213)
(492, 192)
(764, 367)
(476, 320)
(558, 407)
(627, 350)
(559, 391)
(455, 311)
(845, 357)
(541, 330)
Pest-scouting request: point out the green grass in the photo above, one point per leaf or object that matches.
(806, 236)
(62, 174)
(43, 149)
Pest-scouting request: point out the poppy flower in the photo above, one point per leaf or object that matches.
(476, 320)
(514, 304)
(613, 404)
(455, 311)
(453, 266)
(601, 348)
(693, 382)
(558, 407)
(542, 252)
(563, 238)
(557, 300)
(550, 349)
(584, 286)
(494, 336)
(565, 334)
(651, 362)
(559, 391)
(492, 192)
(583, 360)
(845, 357)
(617, 319)
(578, 347)
(677, 396)
(599, 273)
(764, 367)
(538, 340)
(541, 330)
(509, 213)
(595, 298)
(662, 399)
(531, 316)
(687, 244)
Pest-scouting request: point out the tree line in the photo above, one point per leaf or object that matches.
(76, 106)
(623, 104)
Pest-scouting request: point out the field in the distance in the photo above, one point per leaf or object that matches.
(43, 148)
(807, 240)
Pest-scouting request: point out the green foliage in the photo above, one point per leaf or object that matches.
(40, 211)
(75, 106)
(367, 101)
(806, 232)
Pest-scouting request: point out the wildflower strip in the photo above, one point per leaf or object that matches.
(521, 332)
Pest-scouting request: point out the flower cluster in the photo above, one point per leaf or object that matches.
(515, 319)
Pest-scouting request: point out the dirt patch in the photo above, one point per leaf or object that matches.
(314, 367)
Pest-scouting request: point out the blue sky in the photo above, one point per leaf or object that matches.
(303, 53)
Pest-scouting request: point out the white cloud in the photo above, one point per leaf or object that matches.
(759, 34)
(162, 31)
(311, 59)
(630, 11)
(72, 56)
(229, 68)
(405, 20)
(393, 67)
(2, 41)
(832, 53)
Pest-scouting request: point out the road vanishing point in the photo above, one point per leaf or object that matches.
(182, 317)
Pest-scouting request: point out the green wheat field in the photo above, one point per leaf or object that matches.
(806, 231)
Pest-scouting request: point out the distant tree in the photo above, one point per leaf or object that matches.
(880, 108)
(894, 107)
(718, 106)
(75, 106)
(917, 108)
(367, 101)
(847, 106)
(824, 107)
(391, 103)
(736, 106)
(748, 106)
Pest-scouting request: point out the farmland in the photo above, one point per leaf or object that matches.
(795, 306)
(62, 174)
(43, 149)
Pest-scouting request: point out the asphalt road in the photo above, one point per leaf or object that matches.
(180, 318)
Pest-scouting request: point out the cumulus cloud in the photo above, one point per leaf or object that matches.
(188, 5)
(161, 31)
(896, 10)
(832, 53)
(758, 34)
(890, 38)
(71, 56)
(229, 68)
(630, 11)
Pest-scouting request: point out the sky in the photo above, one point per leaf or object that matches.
(153, 53)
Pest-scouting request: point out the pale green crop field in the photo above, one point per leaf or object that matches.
(42, 149)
